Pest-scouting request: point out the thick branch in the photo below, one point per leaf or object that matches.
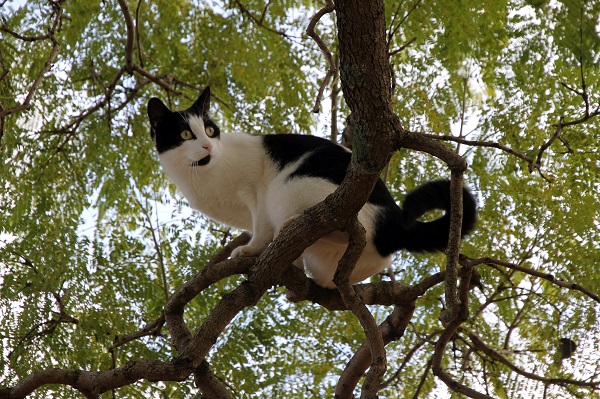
(93, 383)
(217, 269)
(356, 245)
(391, 329)
(385, 293)
(209, 384)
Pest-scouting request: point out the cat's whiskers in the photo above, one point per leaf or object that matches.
(260, 183)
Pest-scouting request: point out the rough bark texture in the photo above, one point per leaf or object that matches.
(365, 77)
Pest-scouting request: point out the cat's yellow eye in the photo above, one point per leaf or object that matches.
(186, 135)
(210, 131)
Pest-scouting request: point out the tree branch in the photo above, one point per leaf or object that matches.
(454, 239)
(480, 345)
(151, 329)
(260, 21)
(209, 384)
(546, 276)
(26, 104)
(457, 318)
(310, 31)
(378, 360)
(94, 383)
(216, 269)
(474, 143)
(390, 330)
(131, 35)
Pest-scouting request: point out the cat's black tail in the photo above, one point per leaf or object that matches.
(433, 236)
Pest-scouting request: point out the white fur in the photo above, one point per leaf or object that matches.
(243, 188)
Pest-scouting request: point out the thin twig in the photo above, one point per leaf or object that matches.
(158, 79)
(151, 329)
(546, 276)
(394, 29)
(137, 33)
(26, 104)
(310, 31)
(403, 47)
(490, 144)
(5, 28)
(260, 21)
(131, 36)
(583, 93)
(494, 354)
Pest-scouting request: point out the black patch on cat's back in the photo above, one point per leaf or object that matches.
(285, 149)
(325, 160)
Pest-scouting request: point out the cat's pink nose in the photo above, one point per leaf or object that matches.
(207, 147)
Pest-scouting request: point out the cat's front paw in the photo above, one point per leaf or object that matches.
(246, 250)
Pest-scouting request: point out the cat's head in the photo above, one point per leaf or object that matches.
(184, 137)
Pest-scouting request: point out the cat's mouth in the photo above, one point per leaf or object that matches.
(202, 162)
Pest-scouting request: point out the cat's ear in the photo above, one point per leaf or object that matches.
(157, 110)
(202, 104)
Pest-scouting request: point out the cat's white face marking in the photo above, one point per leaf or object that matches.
(260, 183)
(203, 144)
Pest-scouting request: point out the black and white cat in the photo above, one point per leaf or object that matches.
(259, 183)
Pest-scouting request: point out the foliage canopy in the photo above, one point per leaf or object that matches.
(94, 241)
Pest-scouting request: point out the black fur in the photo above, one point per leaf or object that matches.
(169, 124)
(399, 228)
(395, 228)
(324, 159)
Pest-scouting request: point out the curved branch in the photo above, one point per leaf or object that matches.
(392, 329)
(310, 31)
(216, 269)
(209, 384)
(384, 293)
(94, 383)
(26, 104)
(546, 276)
(475, 143)
(376, 349)
(151, 329)
(481, 345)
(260, 21)
(409, 355)
(131, 33)
(454, 238)
(458, 316)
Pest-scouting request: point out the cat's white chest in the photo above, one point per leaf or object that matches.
(223, 201)
(229, 187)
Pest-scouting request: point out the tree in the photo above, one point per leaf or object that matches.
(110, 284)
